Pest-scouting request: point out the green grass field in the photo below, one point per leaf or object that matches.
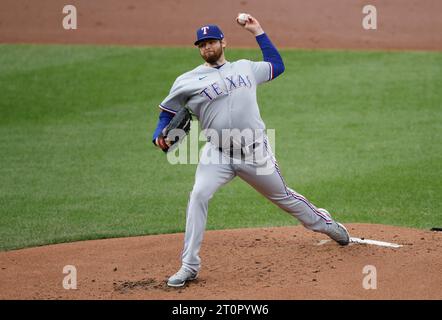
(356, 132)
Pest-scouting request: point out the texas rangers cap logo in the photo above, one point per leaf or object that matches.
(204, 29)
(209, 31)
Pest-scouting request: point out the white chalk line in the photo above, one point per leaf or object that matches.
(366, 241)
(375, 242)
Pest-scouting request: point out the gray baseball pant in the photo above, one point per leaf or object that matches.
(216, 168)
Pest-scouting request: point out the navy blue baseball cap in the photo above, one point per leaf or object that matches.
(209, 31)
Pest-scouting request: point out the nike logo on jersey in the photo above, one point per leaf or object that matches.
(202, 78)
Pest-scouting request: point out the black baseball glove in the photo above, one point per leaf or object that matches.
(176, 130)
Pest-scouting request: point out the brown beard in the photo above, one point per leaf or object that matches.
(213, 58)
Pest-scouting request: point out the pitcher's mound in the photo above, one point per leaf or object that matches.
(268, 263)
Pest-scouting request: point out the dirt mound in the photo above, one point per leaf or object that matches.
(401, 24)
(270, 263)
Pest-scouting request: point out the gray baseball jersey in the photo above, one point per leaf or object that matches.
(223, 98)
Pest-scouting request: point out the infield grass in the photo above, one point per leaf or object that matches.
(357, 132)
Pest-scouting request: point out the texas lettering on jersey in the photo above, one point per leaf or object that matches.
(232, 83)
(221, 98)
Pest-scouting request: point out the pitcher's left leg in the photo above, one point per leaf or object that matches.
(273, 187)
(267, 179)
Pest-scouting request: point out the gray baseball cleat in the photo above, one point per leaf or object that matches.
(180, 278)
(337, 231)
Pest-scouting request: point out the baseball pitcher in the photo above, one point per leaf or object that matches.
(221, 94)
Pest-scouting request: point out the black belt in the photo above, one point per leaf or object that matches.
(231, 149)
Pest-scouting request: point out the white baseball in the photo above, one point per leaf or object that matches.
(242, 18)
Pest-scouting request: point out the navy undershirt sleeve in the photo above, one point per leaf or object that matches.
(270, 54)
(163, 121)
